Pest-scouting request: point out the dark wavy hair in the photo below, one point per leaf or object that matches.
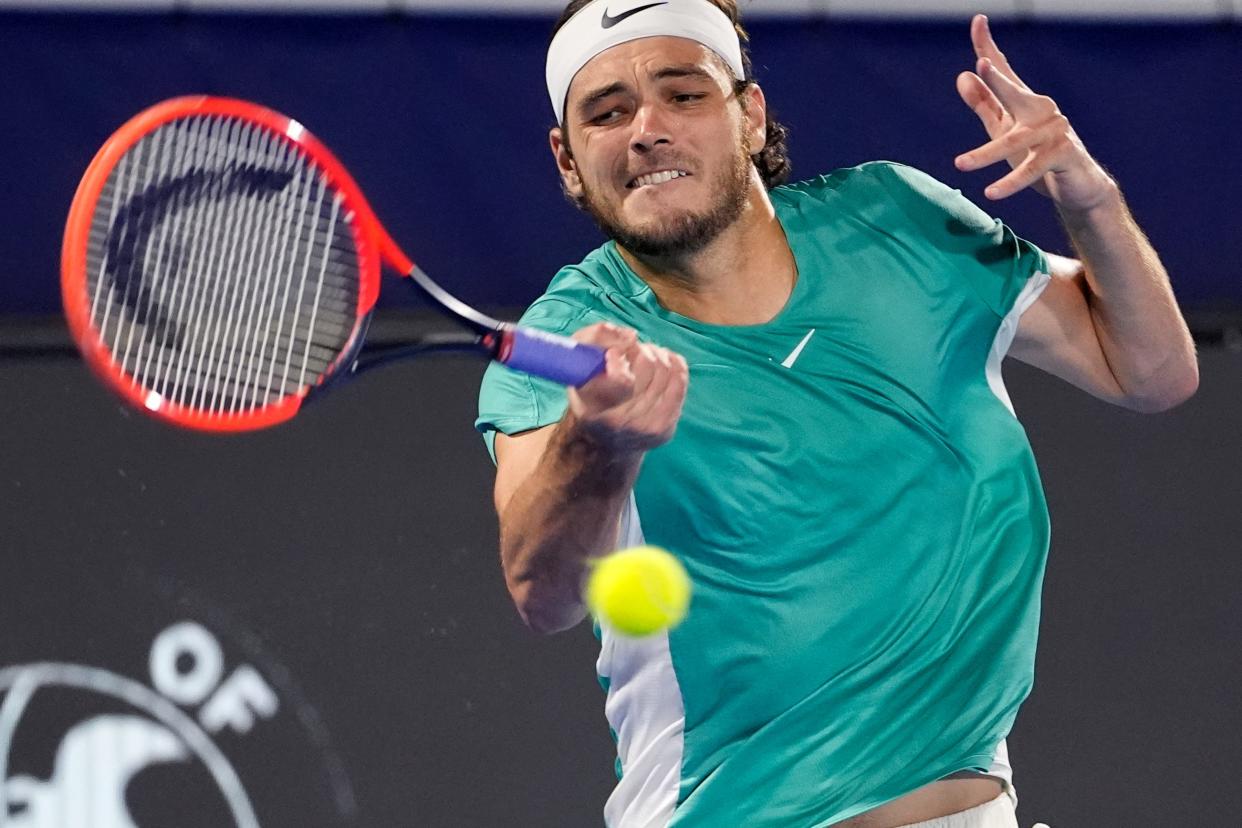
(773, 160)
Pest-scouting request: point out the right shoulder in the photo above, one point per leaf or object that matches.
(511, 402)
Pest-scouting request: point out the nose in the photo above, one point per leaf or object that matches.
(651, 128)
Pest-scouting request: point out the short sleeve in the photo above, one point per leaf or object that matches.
(1002, 269)
(512, 401)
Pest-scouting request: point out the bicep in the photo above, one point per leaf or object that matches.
(1057, 334)
(517, 456)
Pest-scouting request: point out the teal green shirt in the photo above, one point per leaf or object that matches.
(857, 506)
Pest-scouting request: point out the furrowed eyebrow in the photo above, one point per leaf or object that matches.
(689, 71)
(585, 105)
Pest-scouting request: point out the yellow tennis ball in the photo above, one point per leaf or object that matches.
(639, 591)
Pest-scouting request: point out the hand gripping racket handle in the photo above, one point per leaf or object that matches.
(550, 356)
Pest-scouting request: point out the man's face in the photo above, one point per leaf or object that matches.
(660, 145)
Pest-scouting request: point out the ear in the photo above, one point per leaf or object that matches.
(755, 111)
(565, 163)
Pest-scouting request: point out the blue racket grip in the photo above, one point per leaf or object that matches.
(550, 356)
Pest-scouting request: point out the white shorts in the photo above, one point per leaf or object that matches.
(999, 813)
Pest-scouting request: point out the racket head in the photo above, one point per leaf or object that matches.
(218, 264)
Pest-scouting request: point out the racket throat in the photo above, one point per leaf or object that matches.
(373, 355)
(500, 343)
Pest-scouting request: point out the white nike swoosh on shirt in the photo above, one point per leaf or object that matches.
(797, 352)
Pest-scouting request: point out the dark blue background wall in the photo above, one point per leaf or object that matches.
(443, 121)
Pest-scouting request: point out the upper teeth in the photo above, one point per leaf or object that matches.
(658, 177)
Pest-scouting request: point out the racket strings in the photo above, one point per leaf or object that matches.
(221, 268)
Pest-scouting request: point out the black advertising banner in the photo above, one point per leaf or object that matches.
(308, 626)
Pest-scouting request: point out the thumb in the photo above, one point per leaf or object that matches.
(607, 389)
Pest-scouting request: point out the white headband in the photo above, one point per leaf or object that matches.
(601, 25)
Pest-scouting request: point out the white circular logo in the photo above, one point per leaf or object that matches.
(108, 729)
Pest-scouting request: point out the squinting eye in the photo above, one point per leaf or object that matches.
(688, 97)
(606, 116)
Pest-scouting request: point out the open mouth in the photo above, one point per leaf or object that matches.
(656, 178)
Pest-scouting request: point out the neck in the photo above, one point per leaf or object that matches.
(742, 277)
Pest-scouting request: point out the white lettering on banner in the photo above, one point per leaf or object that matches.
(242, 695)
(237, 699)
(207, 663)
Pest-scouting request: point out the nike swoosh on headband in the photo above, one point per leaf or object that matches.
(608, 21)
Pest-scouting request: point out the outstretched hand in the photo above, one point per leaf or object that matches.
(1028, 131)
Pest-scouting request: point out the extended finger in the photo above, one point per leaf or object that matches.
(1024, 175)
(1014, 143)
(1021, 102)
(976, 95)
(985, 47)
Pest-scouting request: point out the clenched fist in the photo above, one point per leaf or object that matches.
(634, 404)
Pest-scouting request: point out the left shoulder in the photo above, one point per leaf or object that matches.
(887, 190)
(927, 199)
(887, 174)
(870, 177)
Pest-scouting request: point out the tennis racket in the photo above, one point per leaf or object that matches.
(219, 265)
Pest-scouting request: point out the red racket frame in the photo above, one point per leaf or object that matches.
(371, 242)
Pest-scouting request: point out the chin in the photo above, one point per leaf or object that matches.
(677, 222)
(659, 222)
(654, 215)
(679, 233)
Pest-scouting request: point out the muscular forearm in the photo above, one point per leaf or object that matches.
(564, 514)
(1141, 330)
(560, 501)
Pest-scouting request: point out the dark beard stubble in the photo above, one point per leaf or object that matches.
(687, 233)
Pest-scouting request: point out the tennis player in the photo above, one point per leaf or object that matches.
(803, 400)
